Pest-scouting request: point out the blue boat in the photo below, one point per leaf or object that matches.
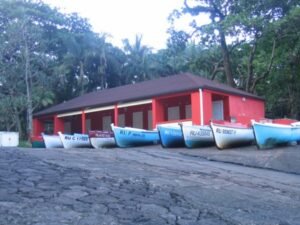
(269, 135)
(170, 136)
(131, 137)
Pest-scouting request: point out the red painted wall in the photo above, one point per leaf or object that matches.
(96, 118)
(128, 111)
(116, 113)
(234, 107)
(160, 107)
(58, 124)
(245, 109)
(76, 123)
(207, 106)
(158, 113)
(195, 107)
(38, 127)
(83, 123)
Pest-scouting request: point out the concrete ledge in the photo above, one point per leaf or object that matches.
(284, 159)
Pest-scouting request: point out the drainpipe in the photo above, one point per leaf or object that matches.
(201, 107)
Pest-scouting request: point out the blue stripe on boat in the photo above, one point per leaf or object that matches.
(171, 136)
(130, 137)
(270, 135)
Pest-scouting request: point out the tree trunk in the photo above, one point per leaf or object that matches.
(18, 123)
(250, 68)
(268, 70)
(226, 59)
(102, 68)
(81, 75)
(28, 83)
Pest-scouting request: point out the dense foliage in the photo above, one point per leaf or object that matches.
(47, 57)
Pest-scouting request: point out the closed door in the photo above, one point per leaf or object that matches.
(137, 120)
(218, 110)
(106, 121)
(188, 112)
(173, 113)
(67, 127)
(88, 125)
(150, 120)
(121, 120)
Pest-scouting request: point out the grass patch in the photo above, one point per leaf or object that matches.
(24, 144)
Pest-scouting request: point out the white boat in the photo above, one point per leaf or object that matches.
(197, 136)
(102, 139)
(52, 141)
(75, 141)
(229, 135)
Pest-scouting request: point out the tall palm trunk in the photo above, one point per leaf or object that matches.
(28, 82)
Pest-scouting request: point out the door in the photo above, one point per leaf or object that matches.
(137, 120)
(218, 110)
(173, 113)
(88, 125)
(67, 127)
(150, 120)
(121, 120)
(106, 122)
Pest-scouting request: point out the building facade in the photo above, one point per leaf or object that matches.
(180, 98)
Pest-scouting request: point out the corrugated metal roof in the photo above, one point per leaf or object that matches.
(143, 90)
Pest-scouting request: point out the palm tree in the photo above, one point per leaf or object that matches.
(136, 66)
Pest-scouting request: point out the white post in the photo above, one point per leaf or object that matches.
(201, 107)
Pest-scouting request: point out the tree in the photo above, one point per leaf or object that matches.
(234, 24)
(216, 31)
(135, 68)
(23, 55)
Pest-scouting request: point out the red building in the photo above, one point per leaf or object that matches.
(184, 97)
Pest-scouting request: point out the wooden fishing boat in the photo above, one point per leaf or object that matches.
(227, 135)
(52, 141)
(197, 136)
(102, 139)
(269, 135)
(131, 137)
(75, 140)
(37, 142)
(170, 135)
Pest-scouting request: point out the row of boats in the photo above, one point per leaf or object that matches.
(266, 134)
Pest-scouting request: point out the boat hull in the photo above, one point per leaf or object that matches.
(75, 141)
(103, 142)
(102, 139)
(171, 136)
(197, 136)
(269, 135)
(132, 137)
(52, 141)
(37, 142)
(226, 136)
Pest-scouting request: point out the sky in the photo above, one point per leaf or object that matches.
(126, 18)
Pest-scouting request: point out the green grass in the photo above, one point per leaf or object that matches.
(24, 144)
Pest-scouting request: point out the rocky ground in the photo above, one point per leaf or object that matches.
(147, 185)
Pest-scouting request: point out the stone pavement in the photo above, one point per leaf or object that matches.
(140, 186)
